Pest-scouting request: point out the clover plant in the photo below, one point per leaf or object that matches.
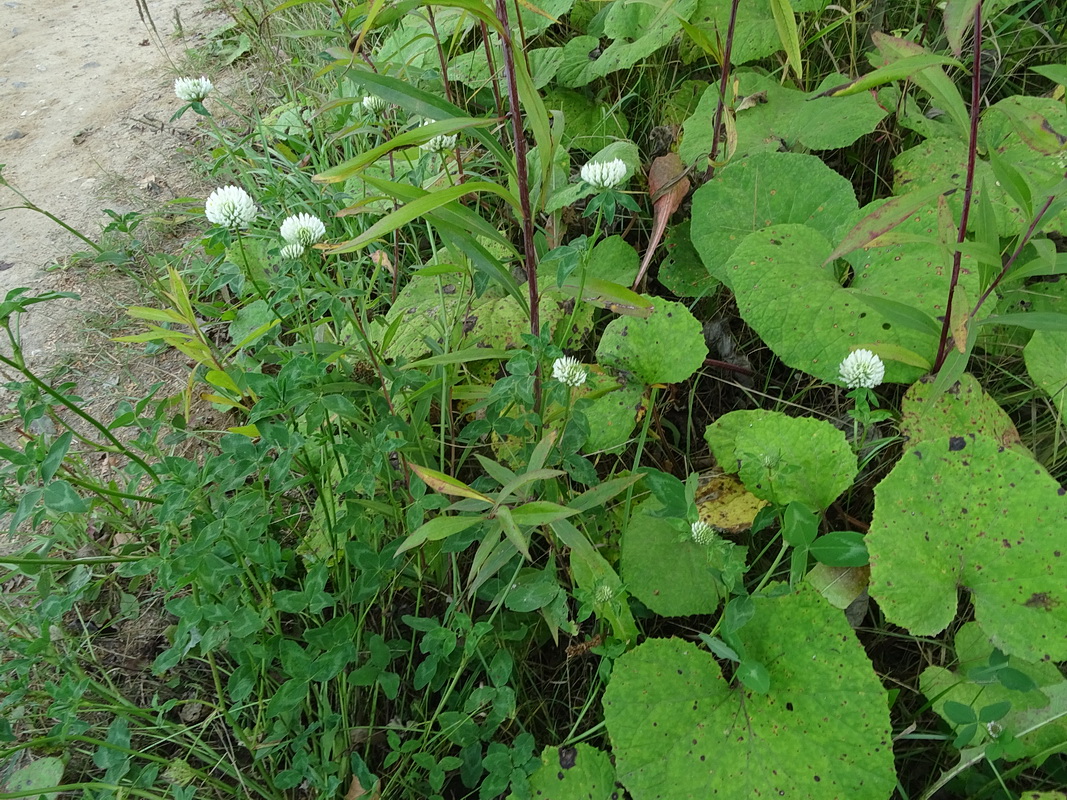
(577, 399)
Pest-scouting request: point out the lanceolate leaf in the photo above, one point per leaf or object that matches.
(668, 186)
(965, 511)
(904, 68)
(959, 14)
(415, 209)
(884, 217)
(426, 104)
(932, 80)
(417, 136)
(680, 729)
(446, 484)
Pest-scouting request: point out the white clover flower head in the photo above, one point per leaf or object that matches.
(440, 144)
(702, 533)
(193, 89)
(374, 104)
(862, 369)
(604, 174)
(292, 251)
(569, 371)
(303, 229)
(231, 207)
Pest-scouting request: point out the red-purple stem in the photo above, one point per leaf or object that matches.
(723, 83)
(1015, 254)
(515, 111)
(968, 191)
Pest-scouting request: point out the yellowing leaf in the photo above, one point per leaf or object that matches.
(725, 503)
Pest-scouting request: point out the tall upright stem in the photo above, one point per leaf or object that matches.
(515, 111)
(523, 178)
(968, 191)
(724, 81)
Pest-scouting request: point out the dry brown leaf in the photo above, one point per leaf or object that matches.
(667, 186)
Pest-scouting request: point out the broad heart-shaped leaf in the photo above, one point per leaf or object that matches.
(1046, 364)
(540, 15)
(578, 62)
(39, 774)
(755, 33)
(612, 410)
(670, 573)
(588, 125)
(681, 269)
(613, 259)
(1044, 706)
(581, 772)
(471, 68)
(964, 408)
(782, 458)
(785, 117)
(441, 309)
(638, 30)
(936, 160)
(665, 347)
(965, 511)
(680, 730)
(762, 190)
(800, 310)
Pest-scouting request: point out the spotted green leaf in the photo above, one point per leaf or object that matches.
(783, 459)
(581, 772)
(665, 347)
(784, 117)
(611, 410)
(821, 322)
(964, 511)
(680, 729)
(762, 190)
(1038, 717)
(964, 408)
(669, 572)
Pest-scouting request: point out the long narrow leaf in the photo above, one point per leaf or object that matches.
(904, 68)
(886, 217)
(455, 215)
(412, 211)
(417, 101)
(786, 23)
(420, 135)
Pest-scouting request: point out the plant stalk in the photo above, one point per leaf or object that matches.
(968, 192)
(724, 81)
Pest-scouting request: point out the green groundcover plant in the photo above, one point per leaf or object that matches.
(479, 301)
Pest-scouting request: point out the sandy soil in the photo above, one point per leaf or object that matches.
(85, 98)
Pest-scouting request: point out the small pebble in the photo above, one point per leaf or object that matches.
(15, 134)
(90, 64)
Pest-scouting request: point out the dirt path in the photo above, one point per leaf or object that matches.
(85, 98)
